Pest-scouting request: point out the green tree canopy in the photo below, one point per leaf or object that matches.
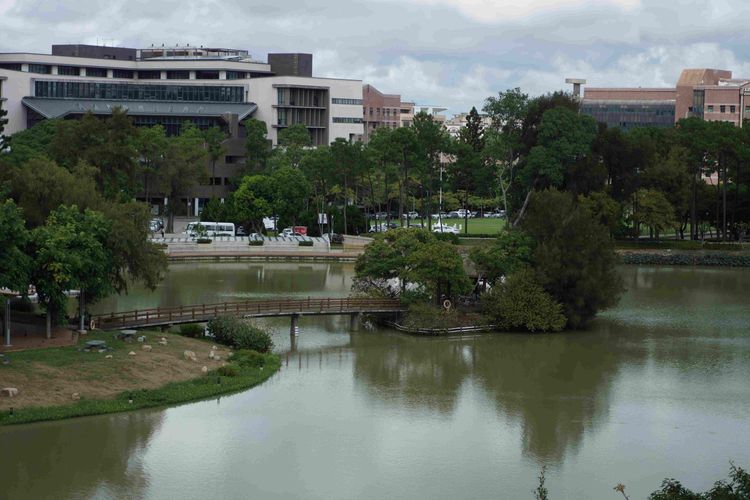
(15, 264)
(574, 256)
(257, 145)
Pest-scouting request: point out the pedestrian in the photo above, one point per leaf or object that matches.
(162, 232)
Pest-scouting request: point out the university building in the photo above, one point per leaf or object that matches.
(171, 85)
(709, 94)
(388, 110)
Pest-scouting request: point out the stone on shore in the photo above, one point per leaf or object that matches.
(9, 392)
(146, 347)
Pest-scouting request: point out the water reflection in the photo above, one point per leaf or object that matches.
(83, 458)
(554, 389)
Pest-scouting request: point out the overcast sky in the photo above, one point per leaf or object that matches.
(453, 53)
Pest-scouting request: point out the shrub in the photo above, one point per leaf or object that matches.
(193, 330)
(306, 243)
(227, 371)
(234, 332)
(256, 243)
(249, 359)
(449, 237)
(521, 303)
(252, 338)
(224, 328)
(203, 241)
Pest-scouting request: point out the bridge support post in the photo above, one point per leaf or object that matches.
(294, 329)
(353, 321)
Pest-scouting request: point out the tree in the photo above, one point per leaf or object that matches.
(31, 143)
(254, 200)
(293, 141)
(184, 166)
(41, 185)
(520, 302)
(3, 139)
(15, 264)
(467, 151)
(347, 158)
(604, 209)
(151, 145)
(388, 257)
(574, 258)
(438, 267)
(431, 141)
(69, 253)
(215, 149)
(509, 252)
(290, 193)
(654, 210)
(563, 138)
(257, 145)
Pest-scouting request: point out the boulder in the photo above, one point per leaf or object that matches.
(204, 369)
(131, 353)
(76, 396)
(146, 347)
(189, 355)
(9, 392)
(142, 338)
(217, 358)
(108, 356)
(210, 354)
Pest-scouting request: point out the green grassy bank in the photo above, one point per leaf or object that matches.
(243, 370)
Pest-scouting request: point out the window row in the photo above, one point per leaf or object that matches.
(723, 108)
(341, 119)
(137, 92)
(340, 100)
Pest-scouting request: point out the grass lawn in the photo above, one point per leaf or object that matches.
(47, 378)
(483, 225)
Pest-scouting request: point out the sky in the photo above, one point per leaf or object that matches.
(452, 53)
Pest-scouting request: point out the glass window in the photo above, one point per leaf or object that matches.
(207, 75)
(710, 108)
(723, 109)
(149, 75)
(732, 109)
(40, 68)
(68, 70)
(178, 75)
(122, 91)
(96, 72)
(123, 73)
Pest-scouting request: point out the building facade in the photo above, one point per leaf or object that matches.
(709, 94)
(171, 85)
(379, 110)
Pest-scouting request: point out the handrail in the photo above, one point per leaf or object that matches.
(256, 306)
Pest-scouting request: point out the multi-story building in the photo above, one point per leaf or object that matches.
(710, 94)
(457, 122)
(379, 110)
(171, 85)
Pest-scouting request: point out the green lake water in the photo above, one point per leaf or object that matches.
(657, 387)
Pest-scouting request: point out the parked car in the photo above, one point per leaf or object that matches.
(289, 232)
(411, 215)
(155, 225)
(378, 228)
(240, 231)
(337, 239)
(441, 215)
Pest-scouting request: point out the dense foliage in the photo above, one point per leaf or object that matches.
(234, 332)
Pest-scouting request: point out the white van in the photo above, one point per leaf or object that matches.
(212, 228)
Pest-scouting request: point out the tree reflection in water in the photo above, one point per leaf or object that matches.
(79, 458)
(555, 387)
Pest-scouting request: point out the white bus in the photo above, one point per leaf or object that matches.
(212, 228)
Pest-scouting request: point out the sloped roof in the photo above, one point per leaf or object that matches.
(59, 108)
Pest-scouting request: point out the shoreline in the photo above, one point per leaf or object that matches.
(226, 379)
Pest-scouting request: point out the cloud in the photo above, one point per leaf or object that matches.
(491, 11)
(444, 52)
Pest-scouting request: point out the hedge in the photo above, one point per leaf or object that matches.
(686, 259)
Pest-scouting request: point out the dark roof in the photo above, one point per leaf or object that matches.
(59, 108)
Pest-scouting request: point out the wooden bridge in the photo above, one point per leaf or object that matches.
(294, 308)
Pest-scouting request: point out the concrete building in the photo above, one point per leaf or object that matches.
(709, 94)
(379, 110)
(457, 122)
(171, 85)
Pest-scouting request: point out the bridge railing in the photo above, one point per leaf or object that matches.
(270, 307)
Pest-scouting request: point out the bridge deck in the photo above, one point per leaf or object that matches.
(309, 306)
